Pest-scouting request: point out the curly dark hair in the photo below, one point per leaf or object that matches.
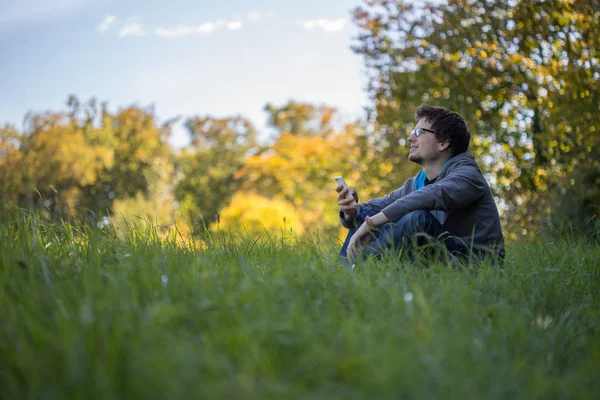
(448, 126)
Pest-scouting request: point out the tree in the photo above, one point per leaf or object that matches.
(70, 163)
(513, 68)
(301, 119)
(10, 165)
(140, 151)
(299, 170)
(56, 163)
(219, 148)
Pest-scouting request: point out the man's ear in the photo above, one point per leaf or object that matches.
(443, 145)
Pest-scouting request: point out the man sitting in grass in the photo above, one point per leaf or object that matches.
(448, 203)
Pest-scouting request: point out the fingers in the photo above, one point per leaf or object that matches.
(360, 237)
(346, 207)
(350, 250)
(343, 192)
(345, 203)
(344, 200)
(352, 246)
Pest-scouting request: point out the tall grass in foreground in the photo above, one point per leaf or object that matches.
(85, 314)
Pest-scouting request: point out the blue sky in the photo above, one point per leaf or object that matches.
(186, 57)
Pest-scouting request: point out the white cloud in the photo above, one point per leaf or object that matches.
(108, 20)
(173, 32)
(202, 29)
(212, 26)
(326, 25)
(234, 25)
(132, 28)
(207, 27)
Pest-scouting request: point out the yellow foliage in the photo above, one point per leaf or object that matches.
(253, 214)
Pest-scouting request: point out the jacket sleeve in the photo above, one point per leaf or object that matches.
(461, 187)
(383, 202)
(350, 222)
(376, 205)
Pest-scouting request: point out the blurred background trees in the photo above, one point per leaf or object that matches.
(523, 73)
(206, 169)
(82, 162)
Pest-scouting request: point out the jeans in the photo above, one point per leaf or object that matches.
(414, 230)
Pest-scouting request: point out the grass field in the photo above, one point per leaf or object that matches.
(84, 314)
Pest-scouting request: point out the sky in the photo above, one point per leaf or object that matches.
(185, 57)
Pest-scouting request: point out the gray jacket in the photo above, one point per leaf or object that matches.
(460, 199)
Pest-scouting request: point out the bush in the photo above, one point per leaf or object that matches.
(253, 214)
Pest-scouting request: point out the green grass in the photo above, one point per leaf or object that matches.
(84, 314)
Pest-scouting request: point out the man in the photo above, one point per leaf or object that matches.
(449, 202)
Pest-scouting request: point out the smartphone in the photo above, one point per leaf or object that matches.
(340, 181)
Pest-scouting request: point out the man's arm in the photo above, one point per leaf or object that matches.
(376, 205)
(461, 187)
(379, 204)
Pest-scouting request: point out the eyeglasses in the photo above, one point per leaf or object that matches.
(419, 131)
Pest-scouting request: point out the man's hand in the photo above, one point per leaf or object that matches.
(363, 234)
(345, 203)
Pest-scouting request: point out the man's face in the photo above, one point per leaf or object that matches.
(425, 148)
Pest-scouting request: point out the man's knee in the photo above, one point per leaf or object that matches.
(411, 224)
(415, 221)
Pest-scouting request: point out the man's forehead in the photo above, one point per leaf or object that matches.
(424, 123)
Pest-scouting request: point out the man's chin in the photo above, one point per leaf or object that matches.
(414, 158)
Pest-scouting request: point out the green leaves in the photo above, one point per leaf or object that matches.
(68, 164)
(220, 147)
